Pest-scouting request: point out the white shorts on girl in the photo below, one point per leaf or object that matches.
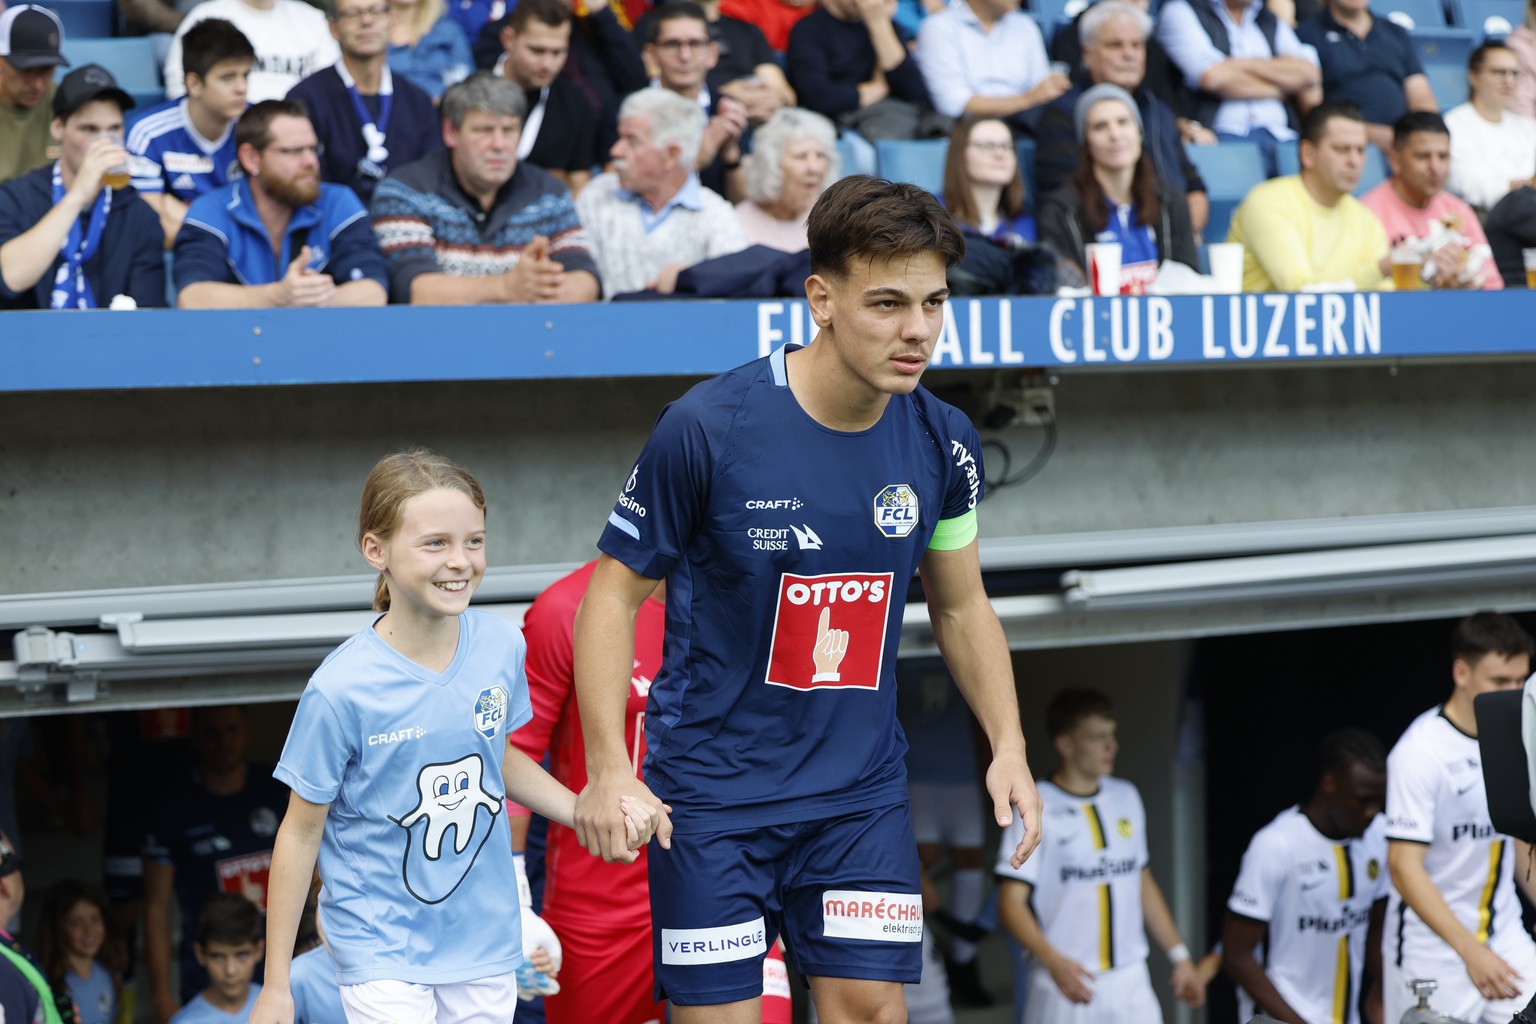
(482, 1001)
(1121, 996)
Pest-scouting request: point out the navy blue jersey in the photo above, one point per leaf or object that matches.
(788, 549)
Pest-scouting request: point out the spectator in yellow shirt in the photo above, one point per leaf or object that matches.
(1307, 229)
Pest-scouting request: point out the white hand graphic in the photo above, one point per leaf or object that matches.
(831, 647)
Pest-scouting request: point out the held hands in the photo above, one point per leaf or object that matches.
(302, 285)
(1492, 977)
(536, 278)
(616, 814)
(1188, 986)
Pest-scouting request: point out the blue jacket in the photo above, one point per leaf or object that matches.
(223, 239)
(130, 259)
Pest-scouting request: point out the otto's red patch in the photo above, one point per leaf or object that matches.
(829, 630)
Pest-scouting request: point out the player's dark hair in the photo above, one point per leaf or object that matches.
(211, 41)
(1316, 122)
(52, 942)
(1480, 55)
(862, 217)
(228, 919)
(553, 13)
(678, 10)
(255, 125)
(1069, 707)
(395, 480)
(1489, 633)
(1417, 121)
(1348, 747)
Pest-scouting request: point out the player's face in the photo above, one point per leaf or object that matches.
(1090, 749)
(882, 317)
(229, 966)
(1355, 799)
(84, 930)
(223, 89)
(484, 149)
(537, 53)
(436, 557)
(1491, 672)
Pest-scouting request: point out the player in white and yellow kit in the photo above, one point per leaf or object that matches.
(1454, 915)
(1313, 891)
(1082, 905)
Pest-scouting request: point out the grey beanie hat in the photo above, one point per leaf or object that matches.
(1103, 91)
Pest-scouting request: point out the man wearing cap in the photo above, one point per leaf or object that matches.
(29, 51)
(70, 236)
(277, 236)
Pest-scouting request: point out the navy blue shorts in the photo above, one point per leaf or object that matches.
(844, 892)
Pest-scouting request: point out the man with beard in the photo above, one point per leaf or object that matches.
(278, 237)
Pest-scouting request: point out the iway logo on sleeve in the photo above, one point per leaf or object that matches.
(829, 631)
(713, 945)
(877, 916)
(896, 510)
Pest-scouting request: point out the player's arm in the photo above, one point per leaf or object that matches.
(1523, 878)
(1375, 1012)
(293, 870)
(1187, 986)
(159, 883)
(529, 784)
(1240, 936)
(1074, 981)
(1493, 978)
(971, 639)
(604, 660)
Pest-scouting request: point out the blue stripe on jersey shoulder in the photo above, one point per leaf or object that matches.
(776, 361)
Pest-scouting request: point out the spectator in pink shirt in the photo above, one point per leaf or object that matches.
(1413, 205)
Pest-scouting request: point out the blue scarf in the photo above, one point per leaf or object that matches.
(71, 290)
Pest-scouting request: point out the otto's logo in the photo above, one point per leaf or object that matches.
(490, 709)
(829, 631)
(1373, 869)
(896, 510)
(1123, 827)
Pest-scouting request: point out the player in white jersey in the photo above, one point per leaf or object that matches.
(1082, 905)
(1454, 915)
(1313, 891)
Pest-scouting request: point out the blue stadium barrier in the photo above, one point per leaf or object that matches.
(84, 19)
(48, 351)
(1230, 169)
(1488, 18)
(920, 161)
(130, 59)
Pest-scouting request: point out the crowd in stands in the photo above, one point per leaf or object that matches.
(412, 151)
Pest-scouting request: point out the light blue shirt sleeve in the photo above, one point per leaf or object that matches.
(941, 56)
(318, 749)
(1186, 43)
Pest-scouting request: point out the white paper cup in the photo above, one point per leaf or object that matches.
(1226, 266)
(1104, 267)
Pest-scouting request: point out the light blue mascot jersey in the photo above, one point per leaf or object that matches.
(416, 856)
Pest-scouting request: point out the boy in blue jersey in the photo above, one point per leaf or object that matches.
(229, 946)
(182, 148)
(788, 504)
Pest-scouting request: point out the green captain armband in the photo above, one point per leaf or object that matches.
(953, 534)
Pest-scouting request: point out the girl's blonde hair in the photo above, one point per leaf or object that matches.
(426, 14)
(395, 480)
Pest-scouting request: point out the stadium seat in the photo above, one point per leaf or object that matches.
(1055, 13)
(1489, 18)
(1413, 14)
(1230, 170)
(1375, 172)
(920, 162)
(1026, 154)
(130, 59)
(1449, 82)
(84, 19)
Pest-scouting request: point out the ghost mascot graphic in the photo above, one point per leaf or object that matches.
(451, 795)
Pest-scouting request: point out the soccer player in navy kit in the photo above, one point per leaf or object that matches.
(787, 504)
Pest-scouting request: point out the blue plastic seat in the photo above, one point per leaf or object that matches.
(920, 161)
(1230, 169)
(131, 60)
(84, 19)
(1412, 14)
(1489, 18)
(1448, 81)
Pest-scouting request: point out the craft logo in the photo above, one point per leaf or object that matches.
(881, 916)
(829, 630)
(896, 510)
(490, 709)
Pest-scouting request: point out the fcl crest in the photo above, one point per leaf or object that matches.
(490, 709)
(896, 510)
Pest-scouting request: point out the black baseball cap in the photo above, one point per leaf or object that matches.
(85, 83)
(30, 37)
